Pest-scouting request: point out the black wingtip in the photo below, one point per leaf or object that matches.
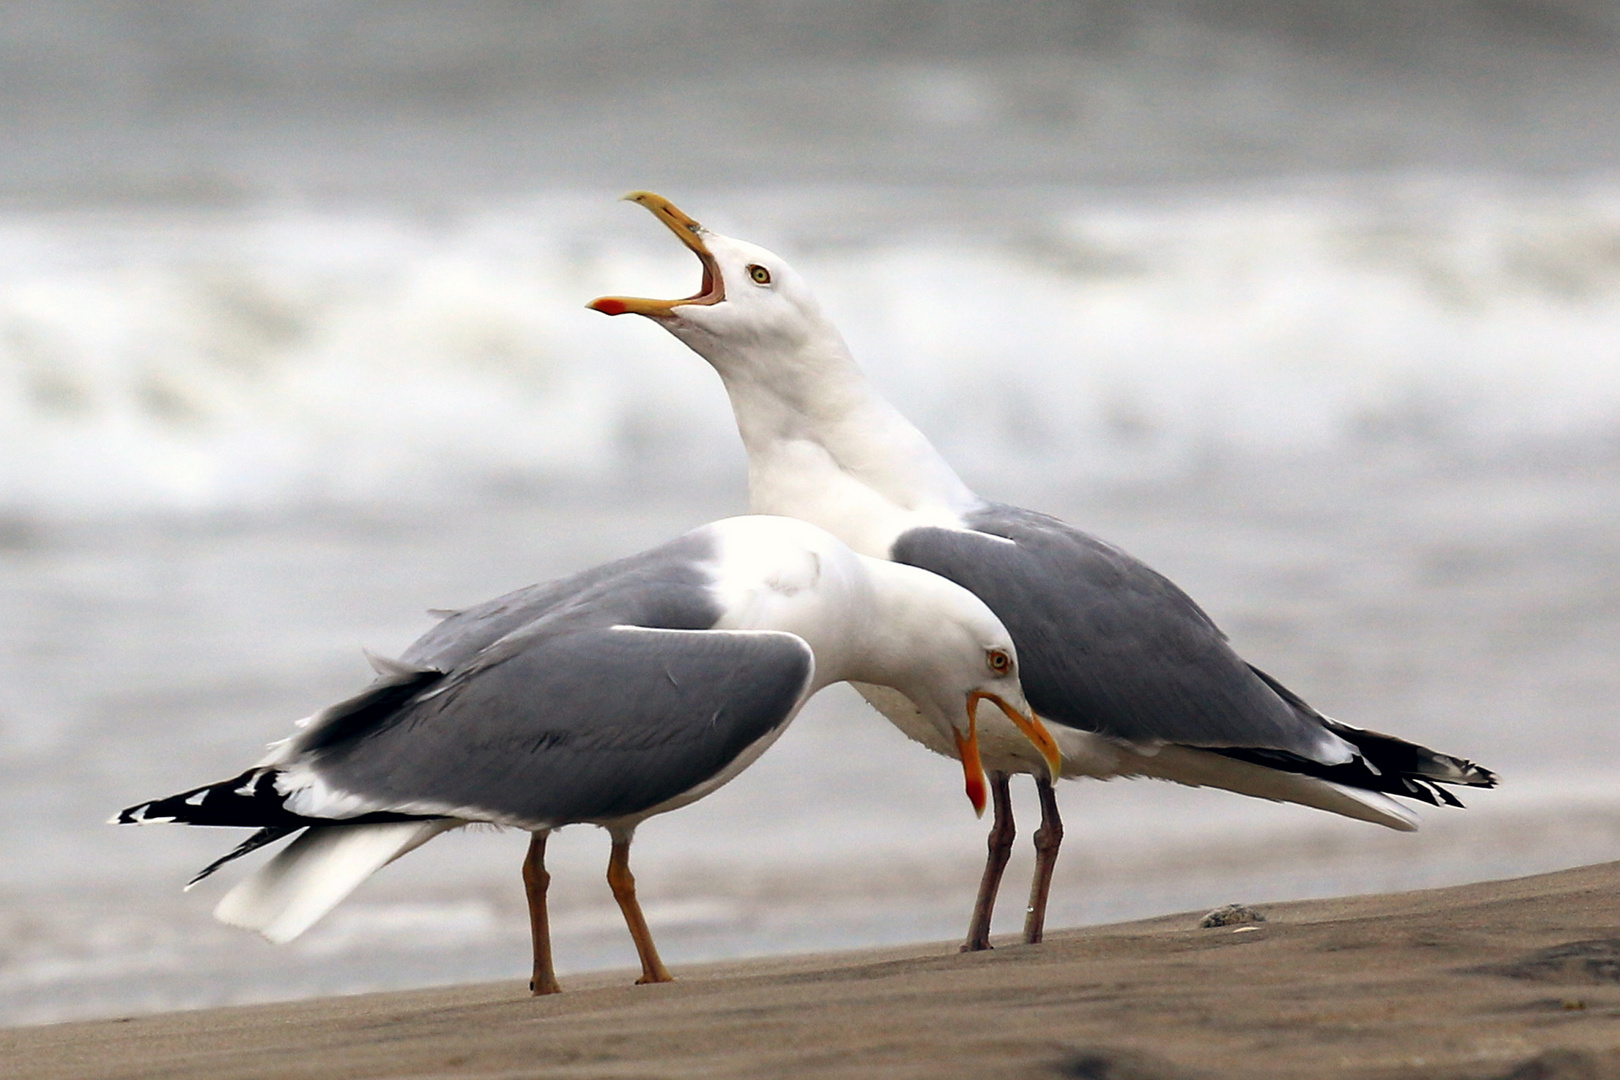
(1383, 763)
(250, 799)
(1445, 769)
(267, 835)
(135, 815)
(1447, 797)
(1394, 761)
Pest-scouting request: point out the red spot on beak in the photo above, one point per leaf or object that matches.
(609, 305)
(976, 793)
(967, 750)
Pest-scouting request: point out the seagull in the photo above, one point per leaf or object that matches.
(1133, 677)
(620, 692)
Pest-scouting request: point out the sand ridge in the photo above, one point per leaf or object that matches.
(1515, 979)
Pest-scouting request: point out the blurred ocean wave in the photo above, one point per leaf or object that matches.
(225, 362)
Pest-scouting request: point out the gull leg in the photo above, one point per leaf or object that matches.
(535, 882)
(1048, 838)
(1000, 843)
(623, 884)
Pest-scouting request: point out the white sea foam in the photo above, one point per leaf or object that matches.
(278, 359)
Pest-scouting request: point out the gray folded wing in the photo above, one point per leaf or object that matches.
(667, 586)
(573, 724)
(1105, 643)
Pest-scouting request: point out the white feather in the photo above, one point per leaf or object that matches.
(1199, 768)
(312, 875)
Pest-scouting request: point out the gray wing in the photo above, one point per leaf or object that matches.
(666, 586)
(581, 725)
(1105, 643)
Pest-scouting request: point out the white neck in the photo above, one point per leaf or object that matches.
(824, 446)
(919, 623)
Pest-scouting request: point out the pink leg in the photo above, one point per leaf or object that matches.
(1048, 838)
(1002, 831)
(535, 882)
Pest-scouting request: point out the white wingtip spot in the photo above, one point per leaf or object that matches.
(197, 799)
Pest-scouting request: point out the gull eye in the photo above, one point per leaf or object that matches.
(760, 275)
(1000, 663)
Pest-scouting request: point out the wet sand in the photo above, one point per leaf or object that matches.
(1504, 979)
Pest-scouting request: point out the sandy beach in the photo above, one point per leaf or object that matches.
(1515, 979)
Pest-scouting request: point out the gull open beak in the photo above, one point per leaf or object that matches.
(1033, 730)
(687, 232)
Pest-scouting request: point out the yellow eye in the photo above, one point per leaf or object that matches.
(760, 275)
(999, 661)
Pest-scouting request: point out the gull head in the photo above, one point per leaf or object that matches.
(942, 648)
(749, 298)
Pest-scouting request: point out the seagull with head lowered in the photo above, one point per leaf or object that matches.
(1134, 677)
(607, 697)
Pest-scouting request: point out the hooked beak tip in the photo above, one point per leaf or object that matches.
(967, 750)
(671, 215)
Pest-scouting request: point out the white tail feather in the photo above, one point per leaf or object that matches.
(313, 874)
(1198, 768)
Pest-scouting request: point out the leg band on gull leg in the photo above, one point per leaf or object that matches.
(1048, 838)
(1000, 843)
(623, 885)
(535, 883)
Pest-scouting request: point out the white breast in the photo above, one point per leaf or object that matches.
(1002, 747)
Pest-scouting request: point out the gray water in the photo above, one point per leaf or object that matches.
(1314, 309)
(1471, 607)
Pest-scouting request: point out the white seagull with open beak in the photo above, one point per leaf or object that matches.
(1135, 679)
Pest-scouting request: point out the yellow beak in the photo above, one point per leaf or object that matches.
(1032, 729)
(691, 234)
